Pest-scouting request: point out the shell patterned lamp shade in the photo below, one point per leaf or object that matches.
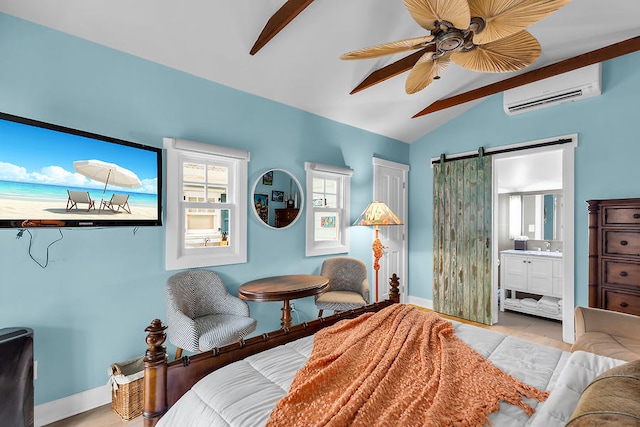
(375, 215)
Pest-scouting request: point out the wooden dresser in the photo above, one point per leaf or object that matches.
(614, 255)
(284, 217)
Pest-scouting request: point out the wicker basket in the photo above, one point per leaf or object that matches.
(127, 381)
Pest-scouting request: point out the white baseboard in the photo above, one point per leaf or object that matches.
(421, 302)
(60, 409)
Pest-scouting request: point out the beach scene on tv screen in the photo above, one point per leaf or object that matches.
(51, 175)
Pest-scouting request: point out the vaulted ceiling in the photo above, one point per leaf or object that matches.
(300, 65)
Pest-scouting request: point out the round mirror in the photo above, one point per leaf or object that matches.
(277, 198)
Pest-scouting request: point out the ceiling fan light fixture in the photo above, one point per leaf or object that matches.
(451, 40)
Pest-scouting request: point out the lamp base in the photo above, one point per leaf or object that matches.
(377, 254)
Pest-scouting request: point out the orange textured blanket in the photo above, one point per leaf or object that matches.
(398, 367)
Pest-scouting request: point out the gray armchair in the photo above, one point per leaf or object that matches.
(201, 314)
(348, 285)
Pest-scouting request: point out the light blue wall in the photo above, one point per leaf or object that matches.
(606, 159)
(102, 287)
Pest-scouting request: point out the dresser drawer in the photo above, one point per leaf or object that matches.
(621, 301)
(621, 243)
(617, 216)
(622, 273)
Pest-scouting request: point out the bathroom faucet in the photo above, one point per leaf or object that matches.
(547, 246)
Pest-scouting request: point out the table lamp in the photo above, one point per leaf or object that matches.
(375, 215)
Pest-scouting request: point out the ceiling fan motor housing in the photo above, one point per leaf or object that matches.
(450, 40)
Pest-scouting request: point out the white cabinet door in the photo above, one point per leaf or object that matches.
(515, 272)
(540, 275)
(557, 278)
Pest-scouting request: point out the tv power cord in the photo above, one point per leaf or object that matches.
(46, 263)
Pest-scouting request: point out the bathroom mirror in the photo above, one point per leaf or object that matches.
(277, 198)
(538, 216)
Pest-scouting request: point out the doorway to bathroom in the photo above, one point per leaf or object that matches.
(533, 205)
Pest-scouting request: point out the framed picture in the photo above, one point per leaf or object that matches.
(267, 178)
(328, 222)
(277, 196)
(261, 204)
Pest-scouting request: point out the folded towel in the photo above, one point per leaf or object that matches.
(511, 302)
(549, 301)
(529, 302)
(549, 309)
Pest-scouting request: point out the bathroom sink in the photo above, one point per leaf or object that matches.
(553, 254)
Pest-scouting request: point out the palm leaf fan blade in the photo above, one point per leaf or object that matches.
(427, 12)
(425, 70)
(511, 53)
(389, 48)
(506, 17)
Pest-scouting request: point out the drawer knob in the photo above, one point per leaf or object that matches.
(624, 243)
(624, 273)
(623, 304)
(636, 215)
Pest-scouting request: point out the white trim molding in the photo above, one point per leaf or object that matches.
(69, 406)
(420, 302)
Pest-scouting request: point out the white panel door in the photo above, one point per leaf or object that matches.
(391, 187)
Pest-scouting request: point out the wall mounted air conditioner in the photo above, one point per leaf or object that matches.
(567, 87)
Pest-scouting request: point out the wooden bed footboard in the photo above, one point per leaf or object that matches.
(165, 383)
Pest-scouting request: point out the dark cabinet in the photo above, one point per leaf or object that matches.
(614, 255)
(284, 217)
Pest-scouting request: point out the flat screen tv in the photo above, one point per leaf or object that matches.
(53, 176)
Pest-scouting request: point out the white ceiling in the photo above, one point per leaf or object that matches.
(300, 66)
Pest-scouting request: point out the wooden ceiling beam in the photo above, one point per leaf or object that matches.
(593, 57)
(391, 70)
(278, 21)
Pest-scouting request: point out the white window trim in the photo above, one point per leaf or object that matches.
(236, 253)
(313, 248)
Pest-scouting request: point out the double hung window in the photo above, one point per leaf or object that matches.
(328, 199)
(206, 205)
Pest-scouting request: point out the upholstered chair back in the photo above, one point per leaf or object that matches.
(346, 274)
(197, 293)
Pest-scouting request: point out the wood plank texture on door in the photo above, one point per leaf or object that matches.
(461, 232)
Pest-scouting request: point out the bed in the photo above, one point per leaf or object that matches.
(241, 384)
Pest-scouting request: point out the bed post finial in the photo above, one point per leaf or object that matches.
(394, 293)
(155, 374)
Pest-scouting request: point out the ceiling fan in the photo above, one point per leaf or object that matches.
(481, 35)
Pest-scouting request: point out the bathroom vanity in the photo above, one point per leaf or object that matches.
(535, 272)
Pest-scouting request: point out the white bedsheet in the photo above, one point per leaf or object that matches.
(244, 393)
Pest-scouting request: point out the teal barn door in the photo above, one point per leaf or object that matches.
(461, 238)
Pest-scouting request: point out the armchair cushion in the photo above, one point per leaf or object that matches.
(217, 330)
(608, 333)
(340, 300)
